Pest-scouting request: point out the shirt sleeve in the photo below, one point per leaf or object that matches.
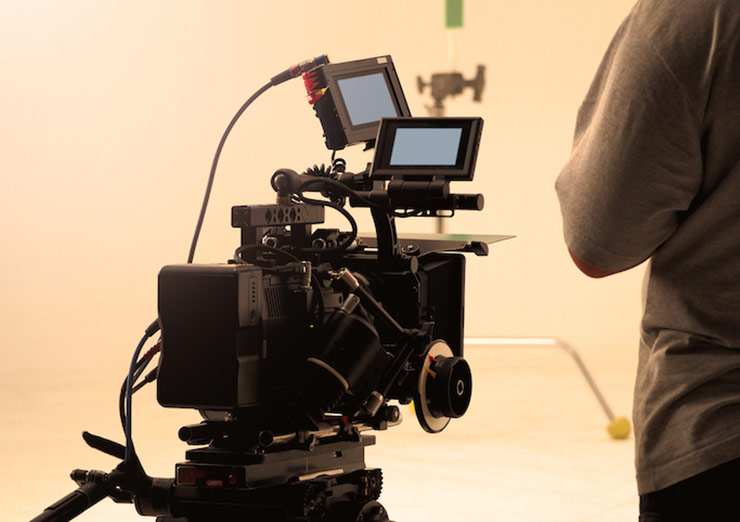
(636, 163)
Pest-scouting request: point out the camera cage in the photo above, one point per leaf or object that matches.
(288, 224)
(414, 184)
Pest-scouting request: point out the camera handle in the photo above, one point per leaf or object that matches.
(385, 228)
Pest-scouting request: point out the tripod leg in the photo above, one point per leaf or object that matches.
(73, 504)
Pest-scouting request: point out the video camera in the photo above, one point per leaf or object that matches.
(297, 346)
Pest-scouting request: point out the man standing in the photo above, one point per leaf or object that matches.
(655, 174)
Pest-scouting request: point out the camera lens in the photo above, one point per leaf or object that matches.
(350, 359)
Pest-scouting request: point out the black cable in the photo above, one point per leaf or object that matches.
(336, 184)
(122, 398)
(318, 300)
(349, 240)
(150, 377)
(130, 454)
(352, 193)
(135, 370)
(140, 367)
(277, 251)
(338, 166)
(291, 72)
(212, 174)
(348, 191)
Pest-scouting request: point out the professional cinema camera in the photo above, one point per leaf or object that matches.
(307, 339)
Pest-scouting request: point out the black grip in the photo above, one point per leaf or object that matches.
(469, 201)
(73, 504)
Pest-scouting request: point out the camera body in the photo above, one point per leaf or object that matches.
(307, 325)
(236, 336)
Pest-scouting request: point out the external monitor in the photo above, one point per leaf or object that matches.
(352, 97)
(427, 148)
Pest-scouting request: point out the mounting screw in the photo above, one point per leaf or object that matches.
(410, 249)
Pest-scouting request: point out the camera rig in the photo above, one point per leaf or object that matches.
(294, 349)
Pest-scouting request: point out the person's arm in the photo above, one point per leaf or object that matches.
(636, 164)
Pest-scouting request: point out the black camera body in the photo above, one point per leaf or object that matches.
(303, 324)
(236, 336)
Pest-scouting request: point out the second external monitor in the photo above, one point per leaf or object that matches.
(426, 148)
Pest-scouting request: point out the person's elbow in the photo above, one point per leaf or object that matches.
(589, 269)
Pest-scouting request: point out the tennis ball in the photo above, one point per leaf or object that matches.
(619, 428)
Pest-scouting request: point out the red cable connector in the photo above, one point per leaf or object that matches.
(311, 83)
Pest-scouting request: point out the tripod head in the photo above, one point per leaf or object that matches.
(451, 84)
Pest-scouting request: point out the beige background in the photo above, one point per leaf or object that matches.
(111, 112)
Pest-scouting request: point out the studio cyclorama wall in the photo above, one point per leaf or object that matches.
(112, 112)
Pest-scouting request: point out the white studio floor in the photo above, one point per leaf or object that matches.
(533, 445)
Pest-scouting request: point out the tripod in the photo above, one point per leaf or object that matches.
(310, 480)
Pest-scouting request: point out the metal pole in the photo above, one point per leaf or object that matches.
(618, 428)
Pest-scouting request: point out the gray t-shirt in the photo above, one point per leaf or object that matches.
(655, 173)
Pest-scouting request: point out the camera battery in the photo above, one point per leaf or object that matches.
(211, 336)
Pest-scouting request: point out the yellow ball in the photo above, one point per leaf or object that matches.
(619, 428)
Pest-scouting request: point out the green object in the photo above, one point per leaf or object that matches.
(453, 13)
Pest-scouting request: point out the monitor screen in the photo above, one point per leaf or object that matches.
(367, 98)
(426, 146)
